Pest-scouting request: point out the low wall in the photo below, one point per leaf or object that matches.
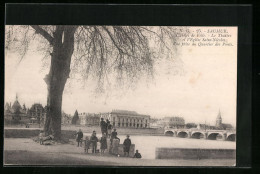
(131, 151)
(73, 128)
(31, 132)
(194, 153)
(120, 131)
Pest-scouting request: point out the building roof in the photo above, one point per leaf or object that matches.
(126, 112)
(36, 105)
(7, 106)
(224, 125)
(16, 106)
(174, 118)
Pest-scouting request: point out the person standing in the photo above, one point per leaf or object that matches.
(109, 129)
(127, 143)
(103, 126)
(103, 142)
(94, 141)
(79, 137)
(113, 135)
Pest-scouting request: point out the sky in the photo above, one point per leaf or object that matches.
(204, 84)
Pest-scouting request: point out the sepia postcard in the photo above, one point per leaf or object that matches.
(107, 95)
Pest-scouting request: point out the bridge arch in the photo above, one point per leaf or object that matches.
(182, 134)
(231, 137)
(197, 135)
(214, 135)
(169, 133)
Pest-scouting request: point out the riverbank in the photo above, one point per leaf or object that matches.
(69, 131)
(24, 151)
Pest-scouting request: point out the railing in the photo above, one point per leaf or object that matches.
(201, 130)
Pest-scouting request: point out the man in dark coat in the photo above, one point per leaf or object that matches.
(127, 143)
(103, 126)
(79, 137)
(114, 135)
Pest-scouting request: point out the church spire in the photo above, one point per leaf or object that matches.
(219, 115)
(16, 97)
(219, 119)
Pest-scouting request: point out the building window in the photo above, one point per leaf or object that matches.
(130, 124)
(118, 124)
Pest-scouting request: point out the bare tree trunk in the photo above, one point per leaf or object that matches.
(63, 48)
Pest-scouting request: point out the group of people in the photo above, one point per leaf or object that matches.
(106, 128)
(93, 140)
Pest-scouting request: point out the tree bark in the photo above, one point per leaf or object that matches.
(63, 47)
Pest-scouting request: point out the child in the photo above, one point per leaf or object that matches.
(137, 155)
(87, 143)
(103, 142)
(109, 129)
(41, 137)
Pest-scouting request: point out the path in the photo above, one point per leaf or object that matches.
(22, 151)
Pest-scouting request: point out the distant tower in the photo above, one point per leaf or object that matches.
(219, 120)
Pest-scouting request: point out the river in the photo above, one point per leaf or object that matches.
(148, 144)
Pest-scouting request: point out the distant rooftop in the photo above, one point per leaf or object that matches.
(174, 117)
(126, 112)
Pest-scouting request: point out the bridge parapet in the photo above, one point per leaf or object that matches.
(197, 133)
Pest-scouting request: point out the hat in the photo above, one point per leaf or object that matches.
(128, 135)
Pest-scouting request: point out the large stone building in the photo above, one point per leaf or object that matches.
(15, 113)
(172, 122)
(127, 119)
(37, 114)
(89, 119)
(66, 118)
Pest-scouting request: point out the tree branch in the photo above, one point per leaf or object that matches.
(42, 32)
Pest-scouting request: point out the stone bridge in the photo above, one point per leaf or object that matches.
(202, 134)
